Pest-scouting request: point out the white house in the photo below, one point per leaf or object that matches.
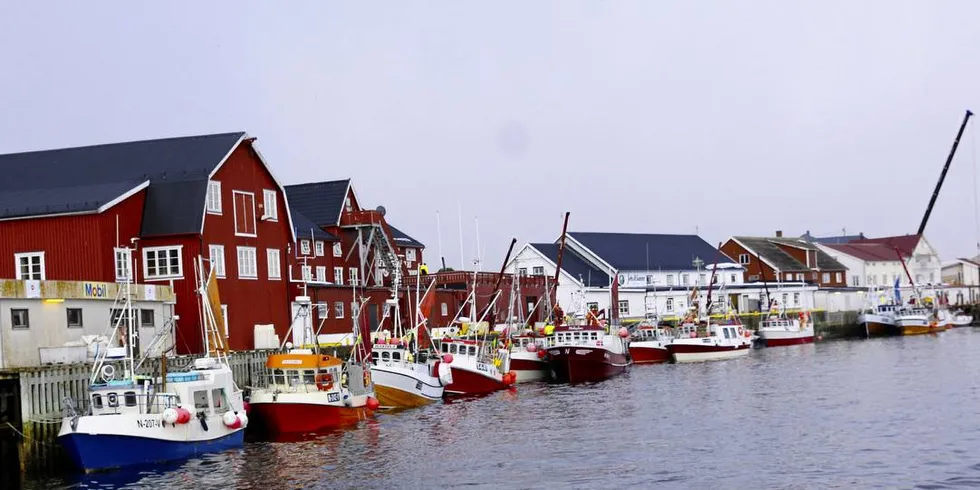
(868, 264)
(963, 275)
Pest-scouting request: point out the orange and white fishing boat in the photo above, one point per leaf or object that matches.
(307, 391)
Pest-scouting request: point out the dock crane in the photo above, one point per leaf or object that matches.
(942, 176)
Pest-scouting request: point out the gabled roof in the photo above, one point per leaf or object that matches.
(402, 239)
(321, 202)
(84, 179)
(638, 251)
(904, 243)
(769, 249)
(574, 265)
(868, 252)
(305, 227)
(831, 239)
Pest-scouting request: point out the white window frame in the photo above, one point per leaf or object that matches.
(306, 272)
(685, 279)
(410, 254)
(244, 272)
(218, 265)
(318, 248)
(338, 275)
(352, 276)
(321, 273)
(837, 276)
(670, 279)
(273, 262)
(522, 271)
(322, 311)
(304, 247)
(444, 309)
(156, 251)
(29, 255)
(825, 277)
(270, 205)
(338, 310)
(796, 299)
(124, 274)
(213, 201)
(622, 310)
(670, 304)
(234, 206)
(744, 259)
(537, 270)
(338, 249)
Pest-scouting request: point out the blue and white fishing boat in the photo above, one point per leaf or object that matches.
(131, 420)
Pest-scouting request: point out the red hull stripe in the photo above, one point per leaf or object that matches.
(568, 364)
(470, 383)
(289, 418)
(527, 365)
(782, 342)
(649, 355)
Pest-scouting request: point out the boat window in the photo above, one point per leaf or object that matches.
(200, 399)
(445, 348)
(595, 335)
(113, 400)
(97, 401)
(280, 376)
(375, 355)
(309, 376)
(472, 350)
(385, 356)
(452, 348)
(727, 334)
(130, 398)
(218, 398)
(294, 376)
(396, 356)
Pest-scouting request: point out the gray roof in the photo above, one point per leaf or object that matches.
(830, 240)
(305, 227)
(637, 251)
(85, 178)
(321, 202)
(403, 240)
(574, 265)
(771, 252)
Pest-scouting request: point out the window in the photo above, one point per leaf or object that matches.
(592, 306)
(124, 264)
(347, 205)
(338, 309)
(670, 279)
(162, 263)
(304, 247)
(733, 278)
(799, 277)
(685, 279)
(522, 271)
(321, 311)
(871, 279)
(270, 210)
(247, 268)
(200, 399)
(30, 266)
(74, 317)
(307, 272)
(785, 299)
(130, 398)
(624, 307)
(744, 259)
(321, 274)
(19, 318)
(146, 318)
(410, 254)
(918, 278)
(273, 264)
(702, 279)
(318, 248)
(537, 270)
(884, 279)
(826, 277)
(796, 299)
(649, 279)
(856, 280)
(837, 277)
(218, 400)
(352, 272)
(444, 309)
(932, 277)
(338, 275)
(217, 259)
(338, 249)
(670, 304)
(244, 213)
(214, 197)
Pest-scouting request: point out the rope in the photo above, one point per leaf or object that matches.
(25, 436)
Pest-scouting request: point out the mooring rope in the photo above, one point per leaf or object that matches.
(25, 436)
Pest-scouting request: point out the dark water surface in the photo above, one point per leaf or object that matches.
(882, 413)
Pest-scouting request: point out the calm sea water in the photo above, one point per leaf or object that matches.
(882, 413)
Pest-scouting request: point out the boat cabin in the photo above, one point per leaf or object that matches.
(577, 336)
(302, 371)
(647, 334)
(522, 342)
(781, 323)
(460, 347)
(395, 353)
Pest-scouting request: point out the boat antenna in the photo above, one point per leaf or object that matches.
(711, 282)
(500, 277)
(462, 253)
(942, 176)
(479, 257)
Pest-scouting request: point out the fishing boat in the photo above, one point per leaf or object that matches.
(879, 319)
(648, 343)
(708, 340)
(778, 329)
(406, 372)
(960, 319)
(130, 420)
(586, 350)
(307, 391)
(527, 357)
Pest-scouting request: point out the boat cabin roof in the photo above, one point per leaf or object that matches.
(301, 361)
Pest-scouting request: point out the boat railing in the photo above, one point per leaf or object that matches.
(115, 403)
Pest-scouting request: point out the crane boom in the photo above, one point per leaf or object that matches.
(942, 176)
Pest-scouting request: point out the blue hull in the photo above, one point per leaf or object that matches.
(102, 452)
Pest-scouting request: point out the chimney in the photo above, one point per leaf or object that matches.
(779, 233)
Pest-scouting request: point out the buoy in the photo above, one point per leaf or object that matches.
(542, 354)
(170, 416)
(183, 415)
(231, 420)
(373, 403)
(532, 347)
(243, 418)
(510, 378)
(623, 333)
(447, 358)
(820, 337)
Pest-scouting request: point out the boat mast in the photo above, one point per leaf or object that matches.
(762, 275)
(942, 176)
(500, 276)
(561, 252)
(915, 289)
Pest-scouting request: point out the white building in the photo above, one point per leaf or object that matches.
(963, 275)
(54, 321)
(868, 264)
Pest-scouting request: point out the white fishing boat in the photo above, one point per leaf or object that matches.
(649, 341)
(779, 329)
(130, 420)
(960, 319)
(707, 340)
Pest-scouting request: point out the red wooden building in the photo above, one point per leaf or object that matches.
(785, 260)
(80, 214)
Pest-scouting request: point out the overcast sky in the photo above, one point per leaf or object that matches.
(730, 118)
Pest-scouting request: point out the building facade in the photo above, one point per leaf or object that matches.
(778, 260)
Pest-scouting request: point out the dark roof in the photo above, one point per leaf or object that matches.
(832, 239)
(305, 226)
(768, 248)
(634, 251)
(85, 178)
(403, 240)
(321, 202)
(574, 265)
(904, 243)
(868, 252)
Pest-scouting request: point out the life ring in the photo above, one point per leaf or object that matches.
(324, 381)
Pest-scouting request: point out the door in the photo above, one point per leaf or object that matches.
(301, 323)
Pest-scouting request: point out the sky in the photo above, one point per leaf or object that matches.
(710, 117)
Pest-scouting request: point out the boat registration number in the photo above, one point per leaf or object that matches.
(148, 423)
(333, 397)
(583, 352)
(482, 367)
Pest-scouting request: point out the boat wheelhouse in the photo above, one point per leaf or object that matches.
(587, 353)
(879, 319)
(477, 367)
(648, 343)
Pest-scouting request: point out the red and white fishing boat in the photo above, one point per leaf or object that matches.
(307, 391)
(779, 329)
(648, 343)
(528, 357)
(709, 341)
(587, 352)
(477, 366)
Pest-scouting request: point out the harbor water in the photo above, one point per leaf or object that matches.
(899, 412)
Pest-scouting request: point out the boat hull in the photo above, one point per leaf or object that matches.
(575, 364)
(917, 329)
(777, 338)
(298, 418)
(528, 370)
(468, 382)
(399, 387)
(99, 452)
(700, 353)
(648, 354)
